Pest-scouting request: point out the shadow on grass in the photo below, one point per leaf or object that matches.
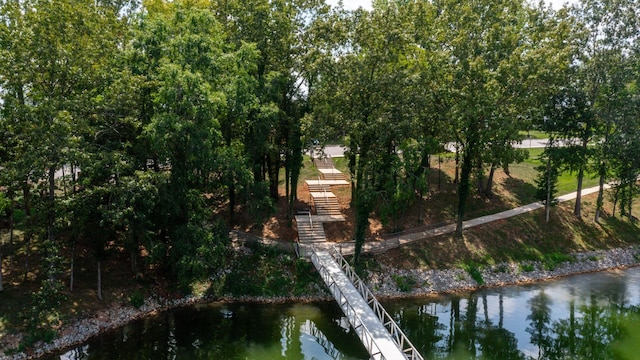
(622, 227)
(524, 192)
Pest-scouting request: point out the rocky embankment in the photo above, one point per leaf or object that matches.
(390, 282)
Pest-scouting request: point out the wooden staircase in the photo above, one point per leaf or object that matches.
(318, 187)
(324, 163)
(310, 231)
(332, 174)
(326, 203)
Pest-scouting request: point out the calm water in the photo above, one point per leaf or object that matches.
(582, 317)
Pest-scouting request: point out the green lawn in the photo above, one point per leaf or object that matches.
(534, 134)
(524, 172)
(567, 181)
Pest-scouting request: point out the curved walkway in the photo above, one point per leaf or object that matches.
(310, 229)
(348, 248)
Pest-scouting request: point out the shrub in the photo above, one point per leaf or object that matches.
(527, 267)
(136, 299)
(475, 273)
(551, 261)
(405, 283)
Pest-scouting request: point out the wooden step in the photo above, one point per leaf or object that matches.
(323, 163)
(318, 187)
(332, 174)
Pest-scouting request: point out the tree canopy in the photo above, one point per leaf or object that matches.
(146, 127)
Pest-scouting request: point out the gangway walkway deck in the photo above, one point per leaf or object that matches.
(380, 335)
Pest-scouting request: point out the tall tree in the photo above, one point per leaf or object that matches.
(570, 119)
(272, 131)
(366, 93)
(53, 64)
(611, 37)
(487, 47)
(187, 67)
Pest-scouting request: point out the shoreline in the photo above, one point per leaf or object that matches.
(384, 285)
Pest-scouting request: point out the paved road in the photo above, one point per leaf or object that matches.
(332, 150)
(338, 150)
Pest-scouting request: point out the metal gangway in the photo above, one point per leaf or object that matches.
(379, 333)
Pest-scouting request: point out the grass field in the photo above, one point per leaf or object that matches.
(534, 134)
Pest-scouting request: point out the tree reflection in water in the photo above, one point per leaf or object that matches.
(588, 317)
(591, 316)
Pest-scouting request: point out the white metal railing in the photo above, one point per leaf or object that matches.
(365, 336)
(401, 340)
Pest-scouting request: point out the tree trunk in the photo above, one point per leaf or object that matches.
(99, 281)
(71, 266)
(51, 214)
(480, 178)
(232, 202)
(64, 182)
(421, 200)
(457, 176)
(362, 219)
(295, 177)
(630, 202)
(439, 173)
(578, 207)
(28, 232)
(547, 207)
(11, 230)
(1, 267)
(26, 257)
(354, 170)
(505, 167)
(287, 186)
(134, 262)
(463, 190)
(73, 179)
(273, 168)
(488, 191)
(615, 200)
(428, 173)
(600, 200)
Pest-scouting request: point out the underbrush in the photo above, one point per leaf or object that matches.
(264, 271)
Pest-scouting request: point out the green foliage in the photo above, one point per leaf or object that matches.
(136, 299)
(4, 203)
(527, 267)
(44, 313)
(192, 106)
(262, 206)
(474, 272)
(552, 260)
(265, 271)
(405, 283)
(199, 253)
(548, 173)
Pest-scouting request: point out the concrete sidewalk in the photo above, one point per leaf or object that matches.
(348, 248)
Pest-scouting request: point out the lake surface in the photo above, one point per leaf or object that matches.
(590, 316)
